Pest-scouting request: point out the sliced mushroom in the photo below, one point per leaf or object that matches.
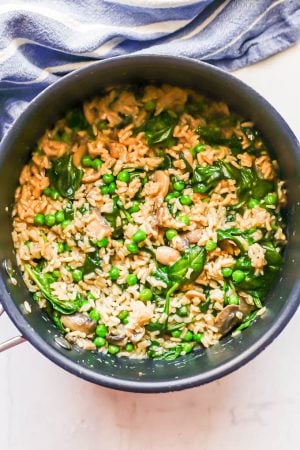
(166, 255)
(229, 247)
(78, 154)
(227, 319)
(194, 236)
(97, 227)
(193, 293)
(118, 339)
(79, 322)
(163, 179)
(137, 336)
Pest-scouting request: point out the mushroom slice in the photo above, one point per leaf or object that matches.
(79, 322)
(137, 336)
(163, 179)
(227, 319)
(118, 339)
(166, 255)
(97, 227)
(194, 236)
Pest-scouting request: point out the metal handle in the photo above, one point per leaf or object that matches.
(12, 342)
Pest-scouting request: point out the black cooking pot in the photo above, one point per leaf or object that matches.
(147, 375)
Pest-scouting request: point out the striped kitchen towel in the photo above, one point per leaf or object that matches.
(41, 40)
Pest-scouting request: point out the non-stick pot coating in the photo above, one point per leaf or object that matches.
(198, 367)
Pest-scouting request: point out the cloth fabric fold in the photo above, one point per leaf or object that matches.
(40, 41)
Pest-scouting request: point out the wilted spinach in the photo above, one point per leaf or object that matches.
(40, 279)
(64, 176)
(91, 262)
(159, 129)
(241, 238)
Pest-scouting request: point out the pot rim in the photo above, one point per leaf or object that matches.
(234, 363)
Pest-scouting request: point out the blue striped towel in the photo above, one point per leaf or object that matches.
(41, 40)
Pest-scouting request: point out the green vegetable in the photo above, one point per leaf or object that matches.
(64, 176)
(241, 238)
(271, 199)
(192, 258)
(65, 223)
(97, 163)
(139, 236)
(102, 124)
(131, 279)
(238, 276)
(114, 273)
(210, 245)
(50, 220)
(39, 219)
(186, 200)
(101, 330)
(132, 247)
(86, 161)
(99, 341)
(102, 242)
(159, 129)
(150, 105)
(62, 306)
(179, 185)
(134, 208)
(184, 219)
(198, 337)
(77, 275)
(76, 120)
(113, 349)
(226, 271)
(123, 176)
(112, 187)
(176, 334)
(123, 315)
(91, 262)
(249, 319)
(104, 190)
(146, 295)
(108, 178)
(183, 311)
(59, 216)
(129, 347)
(94, 315)
(170, 234)
(188, 336)
(60, 247)
(233, 299)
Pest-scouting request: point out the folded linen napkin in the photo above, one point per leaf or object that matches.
(40, 40)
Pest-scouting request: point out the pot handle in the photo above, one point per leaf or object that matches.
(12, 342)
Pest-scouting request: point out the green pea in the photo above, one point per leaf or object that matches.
(199, 148)
(132, 247)
(77, 275)
(200, 188)
(101, 330)
(65, 223)
(131, 279)
(87, 161)
(226, 271)
(123, 315)
(27, 243)
(198, 337)
(104, 190)
(102, 124)
(36, 298)
(67, 248)
(170, 234)
(186, 200)
(94, 315)
(150, 105)
(172, 195)
(124, 176)
(114, 273)
(102, 242)
(134, 208)
(188, 336)
(113, 349)
(50, 220)
(146, 294)
(187, 347)
(233, 299)
(129, 347)
(108, 178)
(59, 216)
(183, 311)
(39, 219)
(252, 203)
(56, 274)
(139, 236)
(210, 245)
(54, 194)
(271, 199)
(99, 341)
(184, 219)
(176, 334)
(179, 185)
(97, 163)
(238, 276)
(112, 187)
(47, 191)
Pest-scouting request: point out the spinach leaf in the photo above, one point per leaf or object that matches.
(272, 256)
(192, 258)
(64, 176)
(249, 319)
(91, 262)
(206, 178)
(166, 163)
(40, 279)
(240, 238)
(159, 129)
(161, 273)
(187, 164)
(76, 120)
(259, 285)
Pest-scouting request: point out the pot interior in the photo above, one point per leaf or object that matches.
(200, 366)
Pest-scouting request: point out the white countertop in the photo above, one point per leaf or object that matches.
(257, 407)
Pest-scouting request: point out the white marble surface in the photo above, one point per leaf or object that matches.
(258, 407)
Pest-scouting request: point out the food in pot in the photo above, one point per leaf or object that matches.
(147, 222)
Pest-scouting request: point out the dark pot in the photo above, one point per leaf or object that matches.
(147, 375)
